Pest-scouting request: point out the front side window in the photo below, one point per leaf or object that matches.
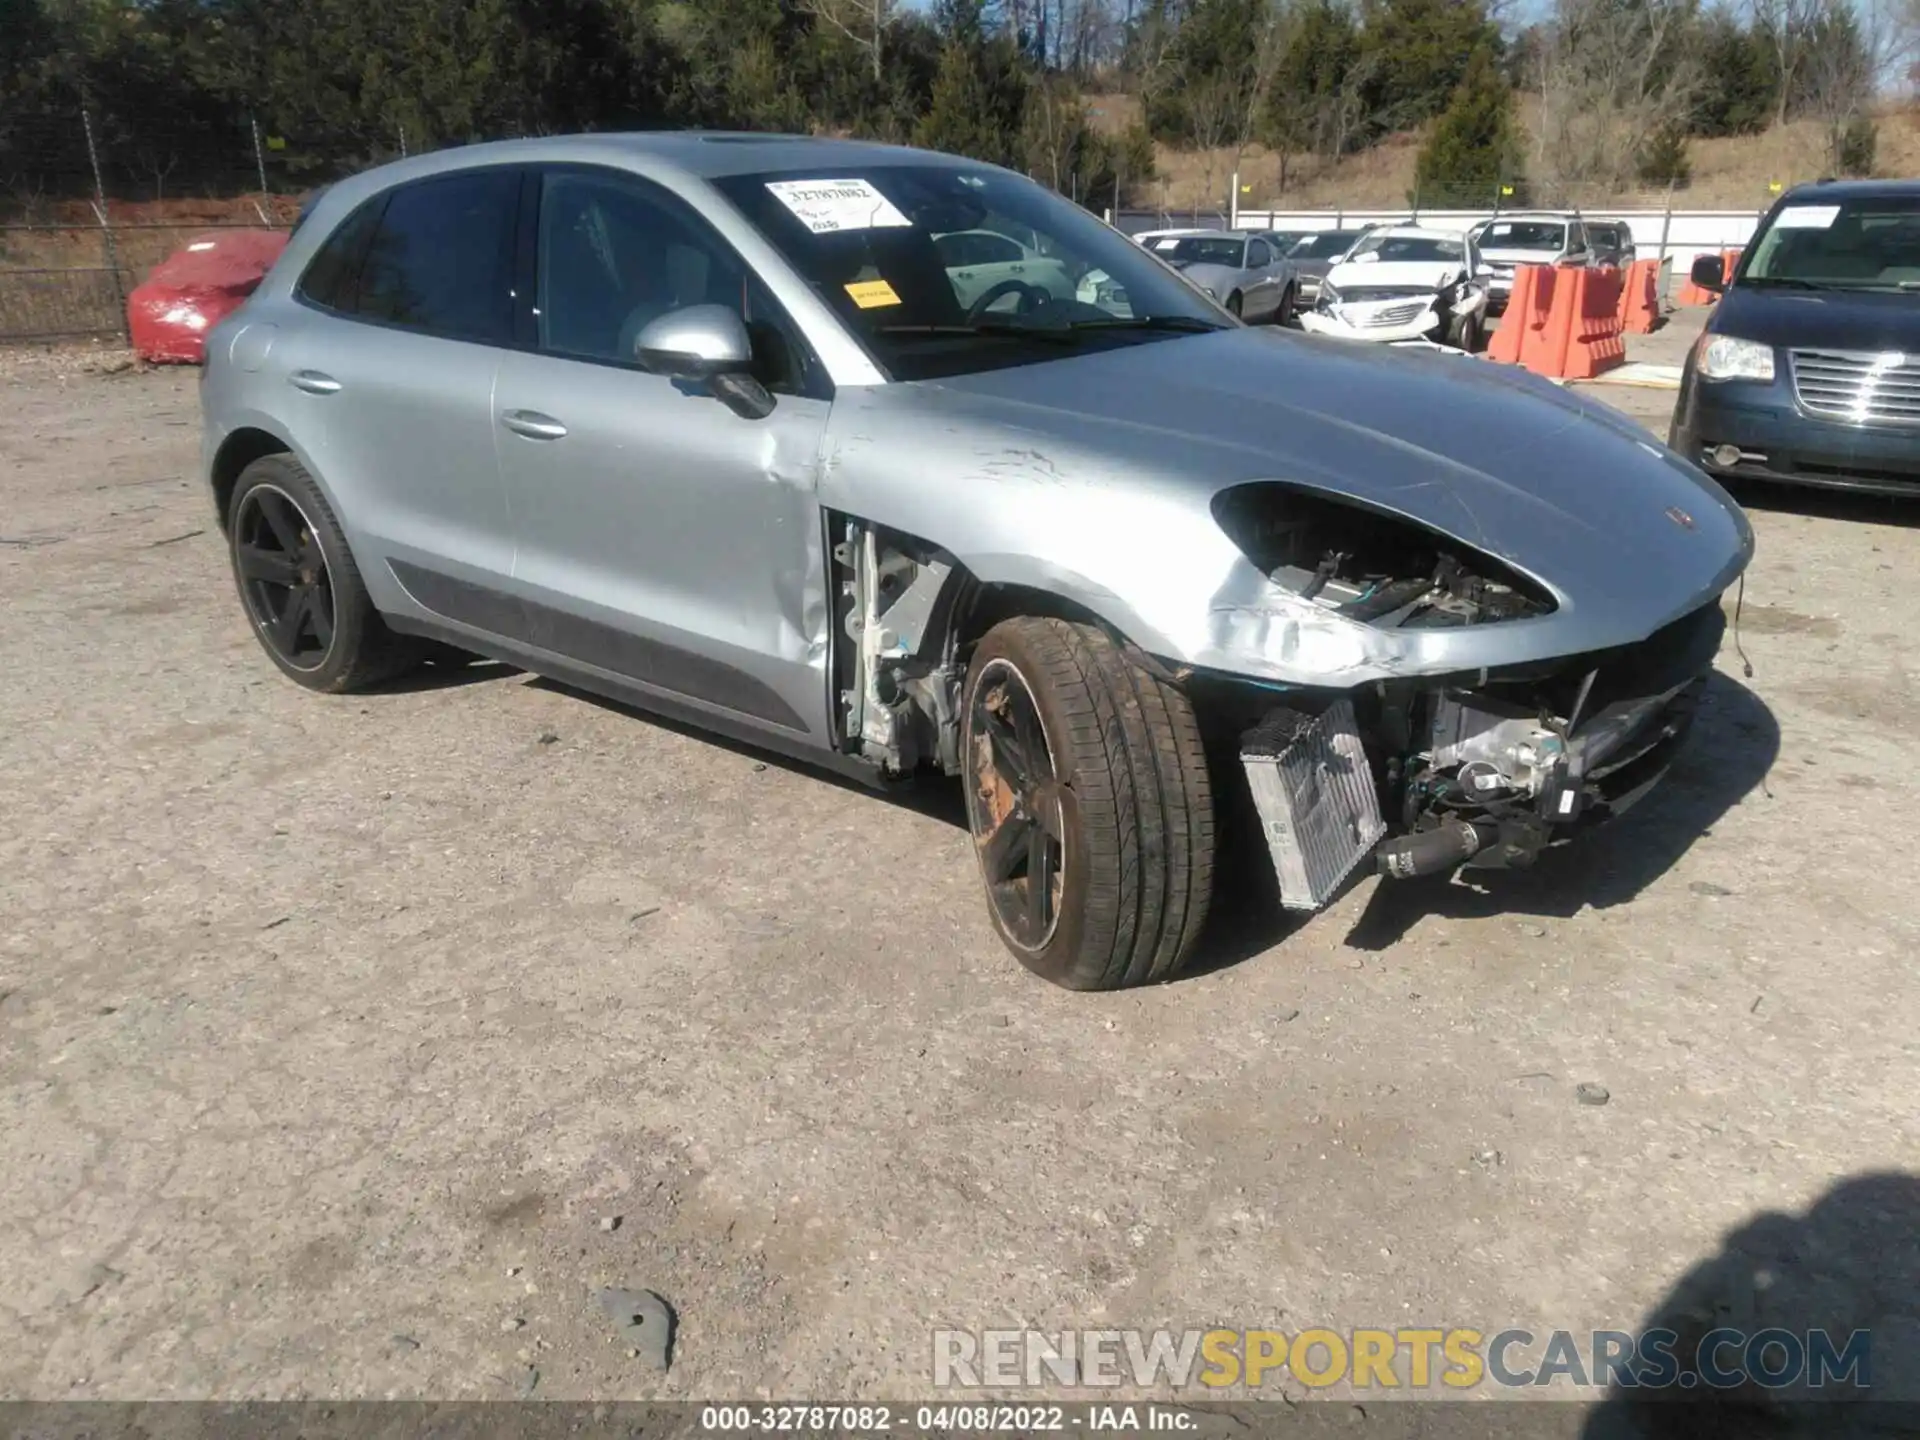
(617, 252)
(1841, 245)
(919, 262)
(441, 261)
(1258, 256)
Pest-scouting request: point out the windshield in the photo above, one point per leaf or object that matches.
(940, 270)
(1848, 245)
(1524, 235)
(1407, 247)
(1200, 250)
(1328, 246)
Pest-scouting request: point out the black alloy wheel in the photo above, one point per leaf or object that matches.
(284, 577)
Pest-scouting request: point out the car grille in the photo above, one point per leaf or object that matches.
(1860, 386)
(1392, 315)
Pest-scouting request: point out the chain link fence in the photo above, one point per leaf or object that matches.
(88, 208)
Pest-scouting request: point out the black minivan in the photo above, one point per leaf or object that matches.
(1809, 370)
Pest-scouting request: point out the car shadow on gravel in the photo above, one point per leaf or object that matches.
(445, 675)
(1849, 1266)
(1734, 744)
(935, 797)
(1842, 506)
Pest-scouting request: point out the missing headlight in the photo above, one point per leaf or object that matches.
(1368, 566)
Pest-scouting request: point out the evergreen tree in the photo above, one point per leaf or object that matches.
(1472, 146)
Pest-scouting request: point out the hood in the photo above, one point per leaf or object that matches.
(1395, 274)
(1820, 319)
(1566, 490)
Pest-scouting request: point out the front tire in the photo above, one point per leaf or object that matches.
(300, 587)
(1090, 806)
(1469, 338)
(1235, 304)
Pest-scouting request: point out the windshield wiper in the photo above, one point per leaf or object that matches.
(1064, 331)
(1789, 282)
(988, 325)
(1173, 324)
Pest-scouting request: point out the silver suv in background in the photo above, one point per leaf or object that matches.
(1540, 238)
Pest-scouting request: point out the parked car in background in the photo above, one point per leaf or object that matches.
(1282, 241)
(1313, 255)
(1402, 282)
(1147, 237)
(1241, 272)
(1531, 239)
(979, 261)
(1609, 242)
(1808, 372)
(703, 423)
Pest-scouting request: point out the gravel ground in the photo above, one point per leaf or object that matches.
(348, 1046)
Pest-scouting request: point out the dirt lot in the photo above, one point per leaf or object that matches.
(334, 1033)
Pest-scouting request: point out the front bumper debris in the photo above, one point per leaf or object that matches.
(1314, 789)
(1483, 775)
(1375, 320)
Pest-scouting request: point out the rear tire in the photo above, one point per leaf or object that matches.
(1086, 773)
(300, 587)
(1289, 303)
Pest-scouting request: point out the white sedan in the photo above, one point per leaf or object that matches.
(1404, 284)
(979, 262)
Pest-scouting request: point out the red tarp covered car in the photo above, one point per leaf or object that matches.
(195, 288)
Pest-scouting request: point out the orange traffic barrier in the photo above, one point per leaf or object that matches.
(1692, 294)
(1526, 311)
(1562, 322)
(1640, 298)
(1594, 341)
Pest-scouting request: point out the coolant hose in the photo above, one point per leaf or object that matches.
(1429, 852)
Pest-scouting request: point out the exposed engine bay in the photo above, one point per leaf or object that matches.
(1366, 566)
(1424, 775)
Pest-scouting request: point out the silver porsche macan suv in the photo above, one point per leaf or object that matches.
(716, 425)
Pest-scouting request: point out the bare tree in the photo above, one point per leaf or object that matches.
(1786, 24)
(1215, 107)
(1614, 73)
(1850, 47)
(1151, 55)
(864, 22)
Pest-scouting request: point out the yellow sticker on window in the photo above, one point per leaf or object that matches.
(872, 294)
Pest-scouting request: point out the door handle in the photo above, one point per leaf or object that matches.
(314, 382)
(533, 425)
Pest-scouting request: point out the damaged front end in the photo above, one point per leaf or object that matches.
(1428, 773)
(1483, 771)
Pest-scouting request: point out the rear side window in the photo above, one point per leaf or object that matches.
(441, 260)
(333, 275)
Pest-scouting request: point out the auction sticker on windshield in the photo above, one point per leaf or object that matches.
(1806, 217)
(871, 294)
(825, 206)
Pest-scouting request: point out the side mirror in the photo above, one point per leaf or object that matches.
(1708, 273)
(709, 344)
(695, 343)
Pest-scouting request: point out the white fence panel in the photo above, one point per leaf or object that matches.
(1677, 236)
